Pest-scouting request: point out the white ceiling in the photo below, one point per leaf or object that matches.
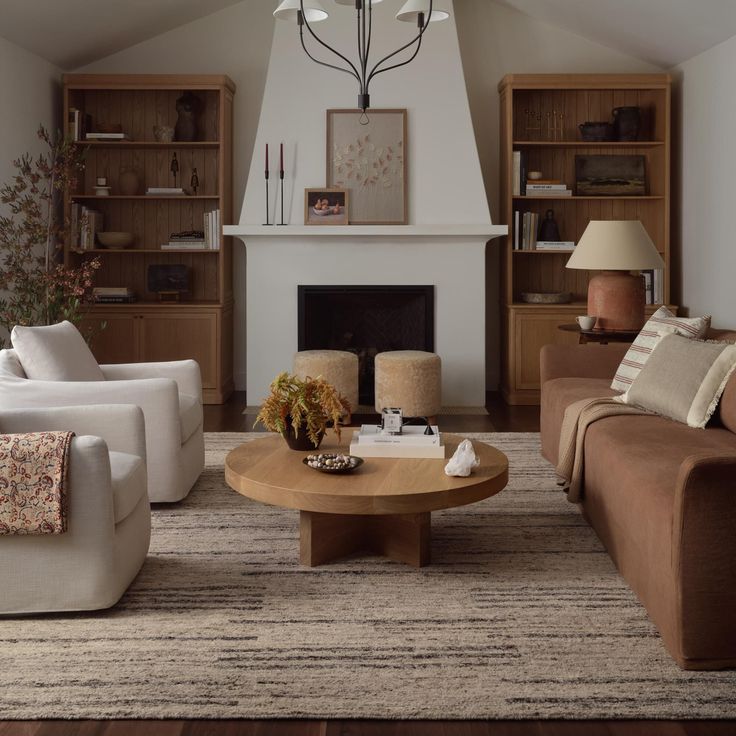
(71, 33)
(662, 32)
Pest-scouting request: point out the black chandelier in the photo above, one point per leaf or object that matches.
(308, 12)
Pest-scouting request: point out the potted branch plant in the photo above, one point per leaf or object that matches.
(37, 287)
(301, 409)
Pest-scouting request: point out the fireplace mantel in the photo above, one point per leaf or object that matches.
(447, 232)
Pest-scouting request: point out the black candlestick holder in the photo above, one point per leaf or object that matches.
(281, 176)
(268, 221)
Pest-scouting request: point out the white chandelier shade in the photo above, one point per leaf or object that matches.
(289, 10)
(411, 10)
(352, 2)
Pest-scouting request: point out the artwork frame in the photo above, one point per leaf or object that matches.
(609, 175)
(334, 197)
(378, 182)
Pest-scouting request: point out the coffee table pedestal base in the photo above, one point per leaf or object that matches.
(400, 537)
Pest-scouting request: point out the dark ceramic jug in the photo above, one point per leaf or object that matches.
(626, 123)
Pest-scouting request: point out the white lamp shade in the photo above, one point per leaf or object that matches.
(411, 9)
(352, 2)
(289, 9)
(615, 245)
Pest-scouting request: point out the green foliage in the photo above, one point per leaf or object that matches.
(38, 287)
(311, 402)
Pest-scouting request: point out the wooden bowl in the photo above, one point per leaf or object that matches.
(113, 239)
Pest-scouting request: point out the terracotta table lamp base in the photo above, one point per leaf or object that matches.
(617, 299)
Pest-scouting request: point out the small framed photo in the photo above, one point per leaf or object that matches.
(326, 206)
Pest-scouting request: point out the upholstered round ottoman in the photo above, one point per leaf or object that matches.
(337, 367)
(410, 380)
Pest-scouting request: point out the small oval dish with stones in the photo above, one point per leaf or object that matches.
(330, 462)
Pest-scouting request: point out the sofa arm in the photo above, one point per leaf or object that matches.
(120, 426)
(186, 373)
(580, 361)
(704, 557)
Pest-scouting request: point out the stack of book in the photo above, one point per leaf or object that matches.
(113, 295)
(212, 229)
(654, 286)
(165, 192)
(370, 441)
(188, 240)
(78, 124)
(85, 224)
(526, 233)
(547, 188)
(107, 137)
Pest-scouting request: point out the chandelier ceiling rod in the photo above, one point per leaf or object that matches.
(365, 32)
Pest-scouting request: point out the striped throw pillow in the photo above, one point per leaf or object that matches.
(661, 323)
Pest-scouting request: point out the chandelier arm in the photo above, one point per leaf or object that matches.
(351, 72)
(364, 50)
(328, 47)
(376, 71)
(370, 35)
(361, 46)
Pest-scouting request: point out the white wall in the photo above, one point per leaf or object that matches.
(707, 111)
(496, 40)
(29, 88)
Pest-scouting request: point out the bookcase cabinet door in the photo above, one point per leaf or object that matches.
(175, 336)
(114, 337)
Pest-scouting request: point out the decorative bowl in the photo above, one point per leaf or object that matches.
(543, 297)
(534, 175)
(113, 239)
(163, 133)
(311, 462)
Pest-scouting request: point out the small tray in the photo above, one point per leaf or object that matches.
(335, 471)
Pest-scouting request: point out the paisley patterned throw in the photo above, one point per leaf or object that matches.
(33, 482)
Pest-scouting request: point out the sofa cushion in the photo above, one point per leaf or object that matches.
(661, 323)
(10, 366)
(190, 415)
(683, 379)
(557, 395)
(55, 353)
(128, 483)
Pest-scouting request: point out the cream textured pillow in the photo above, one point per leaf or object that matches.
(661, 323)
(55, 353)
(683, 379)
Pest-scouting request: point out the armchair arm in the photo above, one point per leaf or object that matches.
(704, 554)
(186, 373)
(121, 426)
(580, 361)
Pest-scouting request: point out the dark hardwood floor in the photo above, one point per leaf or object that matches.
(501, 418)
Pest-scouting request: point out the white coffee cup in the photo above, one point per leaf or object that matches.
(586, 322)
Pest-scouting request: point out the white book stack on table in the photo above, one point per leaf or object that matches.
(370, 441)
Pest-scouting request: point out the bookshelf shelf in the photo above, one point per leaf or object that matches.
(530, 103)
(200, 326)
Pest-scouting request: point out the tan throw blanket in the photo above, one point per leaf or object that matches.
(578, 417)
(33, 482)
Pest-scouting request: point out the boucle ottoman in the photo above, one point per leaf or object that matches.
(338, 367)
(410, 380)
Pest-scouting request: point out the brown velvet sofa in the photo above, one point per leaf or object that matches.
(662, 498)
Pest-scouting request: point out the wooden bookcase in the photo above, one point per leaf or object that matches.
(578, 98)
(201, 327)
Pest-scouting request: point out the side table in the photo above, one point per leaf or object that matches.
(602, 337)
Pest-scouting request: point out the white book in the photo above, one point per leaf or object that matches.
(107, 137)
(549, 193)
(555, 245)
(165, 190)
(370, 434)
(404, 451)
(532, 187)
(185, 245)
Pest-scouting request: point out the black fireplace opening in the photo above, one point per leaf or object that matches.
(366, 320)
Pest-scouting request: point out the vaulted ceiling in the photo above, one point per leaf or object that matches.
(71, 33)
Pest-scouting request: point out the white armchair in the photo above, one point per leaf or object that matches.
(170, 395)
(91, 565)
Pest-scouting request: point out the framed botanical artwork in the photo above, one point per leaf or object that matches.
(326, 206)
(370, 161)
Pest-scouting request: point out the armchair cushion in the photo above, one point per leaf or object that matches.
(128, 474)
(190, 415)
(55, 353)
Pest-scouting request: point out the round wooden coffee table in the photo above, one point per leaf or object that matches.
(383, 507)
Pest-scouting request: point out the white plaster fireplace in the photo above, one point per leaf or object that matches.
(445, 245)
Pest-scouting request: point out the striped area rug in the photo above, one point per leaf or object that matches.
(521, 615)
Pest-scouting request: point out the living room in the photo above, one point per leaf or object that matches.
(492, 299)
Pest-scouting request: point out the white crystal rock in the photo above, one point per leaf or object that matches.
(463, 461)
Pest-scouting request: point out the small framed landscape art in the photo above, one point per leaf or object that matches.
(610, 176)
(326, 206)
(370, 161)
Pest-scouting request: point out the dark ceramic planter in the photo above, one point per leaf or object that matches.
(626, 123)
(301, 443)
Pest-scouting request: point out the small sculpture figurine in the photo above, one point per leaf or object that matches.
(194, 181)
(188, 107)
(548, 230)
(174, 168)
(463, 461)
